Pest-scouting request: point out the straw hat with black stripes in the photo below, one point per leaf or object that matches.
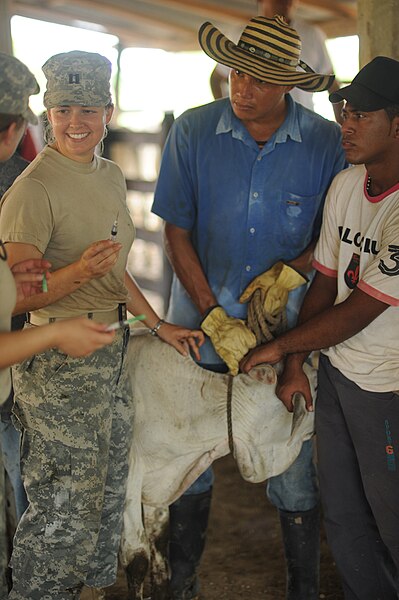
(268, 49)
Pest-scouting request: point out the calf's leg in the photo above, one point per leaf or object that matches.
(156, 520)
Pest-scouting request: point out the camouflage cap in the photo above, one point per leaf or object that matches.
(77, 77)
(16, 85)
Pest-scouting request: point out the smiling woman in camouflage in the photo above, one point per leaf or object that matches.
(75, 414)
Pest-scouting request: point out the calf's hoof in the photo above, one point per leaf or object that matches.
(135, 575)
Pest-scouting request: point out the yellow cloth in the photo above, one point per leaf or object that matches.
(230, 337)
(274, 285)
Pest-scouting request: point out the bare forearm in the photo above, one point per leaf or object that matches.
(16, 346)
(303, 263)
(320, 325)
(320, 297)
(186, 264)
(95, 262)
(181, 338)
(333, 325)
(63, 282)
(138, 304)
(75, 337)
(324, 330)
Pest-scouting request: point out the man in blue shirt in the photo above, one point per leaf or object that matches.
(241, 188)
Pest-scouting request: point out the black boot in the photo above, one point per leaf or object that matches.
(301, 539)
(188, 521)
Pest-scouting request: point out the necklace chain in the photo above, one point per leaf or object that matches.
(368, 184)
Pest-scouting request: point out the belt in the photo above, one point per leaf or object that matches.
(108, 316)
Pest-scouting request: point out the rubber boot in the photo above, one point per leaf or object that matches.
(301, 540)
(188, 521)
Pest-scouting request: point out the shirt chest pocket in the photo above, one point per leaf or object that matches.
(297, 215)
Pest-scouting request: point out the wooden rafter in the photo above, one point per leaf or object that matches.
(172, 24)
(338, 9)
(215, 10)
(100, 12)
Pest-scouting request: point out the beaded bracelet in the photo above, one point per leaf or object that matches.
(154, 330)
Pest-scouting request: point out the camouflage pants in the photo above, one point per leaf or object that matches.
(76, 419)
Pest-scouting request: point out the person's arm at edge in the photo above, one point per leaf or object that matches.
(76, 337)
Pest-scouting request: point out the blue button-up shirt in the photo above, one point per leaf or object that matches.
(246, 208)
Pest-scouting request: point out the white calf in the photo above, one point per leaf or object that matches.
(183, 414)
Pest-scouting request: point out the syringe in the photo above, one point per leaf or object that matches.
(114, 230)
(125, 323)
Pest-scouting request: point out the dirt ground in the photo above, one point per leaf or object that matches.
(243, 557)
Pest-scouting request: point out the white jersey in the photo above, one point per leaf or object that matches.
(359, 244)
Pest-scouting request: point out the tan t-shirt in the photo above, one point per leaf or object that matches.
(61, 206)
(8, 296)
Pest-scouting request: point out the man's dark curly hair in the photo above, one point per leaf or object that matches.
(392, 111)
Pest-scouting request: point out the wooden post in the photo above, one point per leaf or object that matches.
(378, 22)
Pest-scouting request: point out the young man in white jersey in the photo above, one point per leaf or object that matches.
(351, 314)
